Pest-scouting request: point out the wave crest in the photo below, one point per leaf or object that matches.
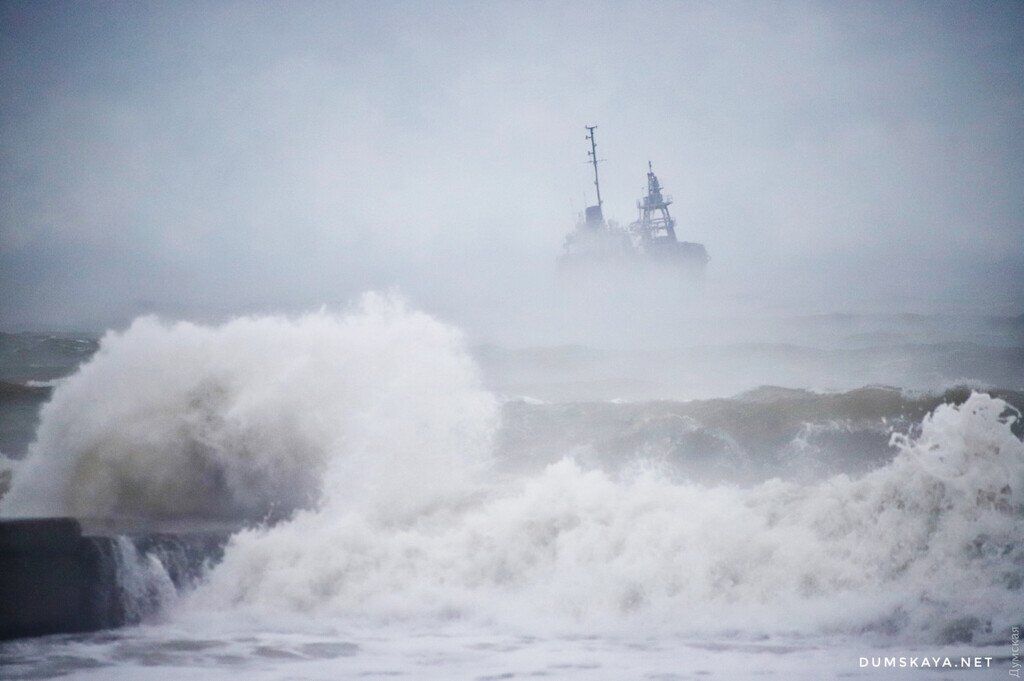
(258, 416)
(927, 542)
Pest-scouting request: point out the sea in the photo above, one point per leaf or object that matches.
(831, 496)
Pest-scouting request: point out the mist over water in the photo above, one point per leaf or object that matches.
(246, 159)
(493, 466)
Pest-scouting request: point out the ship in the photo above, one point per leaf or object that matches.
(650, 239)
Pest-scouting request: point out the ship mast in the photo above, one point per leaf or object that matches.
(594, 160)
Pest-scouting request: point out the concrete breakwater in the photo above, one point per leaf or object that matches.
(59, 578)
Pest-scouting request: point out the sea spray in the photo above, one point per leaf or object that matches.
(365, 439)
(926, 545)
(242, 420)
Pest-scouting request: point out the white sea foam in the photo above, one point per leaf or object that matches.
(924, 548)
(373, 425)
(52, 383)
(247, 419)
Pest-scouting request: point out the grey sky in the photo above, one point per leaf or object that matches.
(203, 159)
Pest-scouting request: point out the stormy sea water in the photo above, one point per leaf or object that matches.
(405, 503)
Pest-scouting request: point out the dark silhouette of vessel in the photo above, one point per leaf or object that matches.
(650, 239)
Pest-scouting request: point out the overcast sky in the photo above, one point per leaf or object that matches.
(204, 159)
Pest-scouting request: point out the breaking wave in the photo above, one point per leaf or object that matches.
(927, 547)
(252, 419)
(367, 441)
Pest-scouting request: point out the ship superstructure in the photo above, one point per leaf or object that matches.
(655, 225)
(655, 228)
